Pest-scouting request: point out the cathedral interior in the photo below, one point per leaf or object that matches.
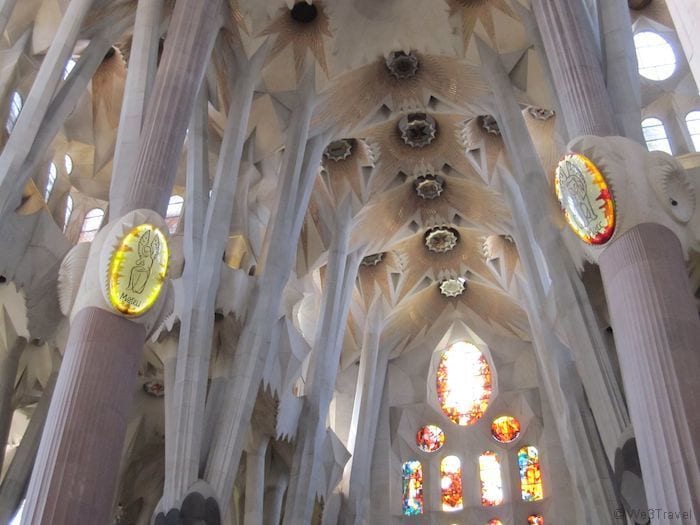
(349, 262)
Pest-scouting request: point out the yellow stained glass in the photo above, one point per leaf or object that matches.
(137, 270)
(530, 474)
(491, 481)
(585, 199)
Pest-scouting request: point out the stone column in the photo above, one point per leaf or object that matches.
(576, 70)
(78, 460)
(657, 332)
(686, 18)
(8, 373)
(341, 273)
(274, 494)
(255, 479)
(17, 476)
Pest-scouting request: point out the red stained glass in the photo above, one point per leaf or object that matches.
(535, 519)
(451, 483)
(505, 429)
(430, 438)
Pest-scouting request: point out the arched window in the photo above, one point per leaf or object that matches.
(430, 438)
(655, 56)
(69, 212)
(463, 383)
(491, 481)
(451, 483)
(412, 474)
(172, 215)
(68, 162)
(91, 224)
(535, 519)
(495, 521)
(692, 120)
(655, 135)
(16, 103)
(50, 182)
(530, 474)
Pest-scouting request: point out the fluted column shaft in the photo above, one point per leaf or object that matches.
(78, 460)
(274, 497)
(576, 69)
(8, 373)
(657, 332)
(74, 474)
(255, 480)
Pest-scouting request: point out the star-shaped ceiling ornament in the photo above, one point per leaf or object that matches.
(472, 11)
(304, 27)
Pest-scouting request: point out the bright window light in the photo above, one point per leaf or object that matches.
(692, 120)
(655, 135)
(655, 56)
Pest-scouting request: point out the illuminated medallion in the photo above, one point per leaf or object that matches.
(137, 269)
(463, 383)
(430, 438)
(585, 198)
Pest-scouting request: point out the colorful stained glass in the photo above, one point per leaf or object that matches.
(451, 483)
(495, 521)
(535, 519)
(585, 198)
(412, 488)
(530, 474)
(463, 383)
(491, 481)
(430, 438)
(505, 429)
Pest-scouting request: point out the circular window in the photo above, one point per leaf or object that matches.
(430, 438)
(655, 56)
(505, 429)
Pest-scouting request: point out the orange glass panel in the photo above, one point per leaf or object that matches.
(505, 429)
(430, 438)
(535, 519)
(491, 481)
(451, 483)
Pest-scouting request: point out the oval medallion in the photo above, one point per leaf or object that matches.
(137, 269)
(585, 198)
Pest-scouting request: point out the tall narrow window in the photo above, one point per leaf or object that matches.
(451, 483)
(530, 474)
(92, 223)
(655, 135)
(692, 120)
(50, 182)
(463, 383)
(69, 212)
(412, 488)
(491, 481)
(535, 519)
(655, 56)
(15, 108)
(69, 67)
(172, 215)
(68, 162)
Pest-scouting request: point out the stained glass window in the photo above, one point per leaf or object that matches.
(530, 474)
(172, 215)
(412, 488)
(451, 483)
(92, 223)
(535, 519)
(491, 481)
(430, 438)
(463, 383)
(505, 429)
(495, 521)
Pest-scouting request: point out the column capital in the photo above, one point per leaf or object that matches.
(646, 187)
